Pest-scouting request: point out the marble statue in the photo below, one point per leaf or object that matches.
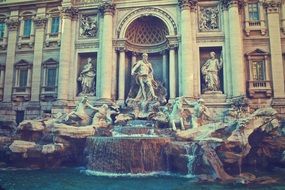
(102, 117)
(143, 73)
(87, 78)
(146, 94)
(79, 115)
(88, 26)
(210, 73)
(200, 112)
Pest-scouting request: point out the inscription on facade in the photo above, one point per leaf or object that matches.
(86, 1)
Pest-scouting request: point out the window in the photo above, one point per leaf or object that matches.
(22, 83)
(258, 70)
(258, 84)
(27, 27)
(253, 12)
(23, 76)
(51, 77)
(49, 80)
(2, 29)
(54, 25)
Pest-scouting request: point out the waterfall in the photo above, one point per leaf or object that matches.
(126, 154)
(191, 154)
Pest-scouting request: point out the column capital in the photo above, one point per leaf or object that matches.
(134, 53)
(172, 46)
(121, 49)
(40, 21)
(187, 4)
(107, 8)
(232, 3)
(272, 6)
(12, 24)
(69, 12)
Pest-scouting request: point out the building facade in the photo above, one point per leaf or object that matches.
(55, 51)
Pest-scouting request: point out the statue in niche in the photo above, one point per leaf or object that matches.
(209, 19)
(200, 113)
(143, 73)
(146, 94)
(210, 72)
(87, 78)
(88, 26)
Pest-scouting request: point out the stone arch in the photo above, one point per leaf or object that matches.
(147, 11)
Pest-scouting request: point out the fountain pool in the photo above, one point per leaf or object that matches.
(78, 178)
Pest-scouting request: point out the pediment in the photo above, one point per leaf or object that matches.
(257, 52)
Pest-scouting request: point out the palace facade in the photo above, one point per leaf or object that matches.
(45, 46)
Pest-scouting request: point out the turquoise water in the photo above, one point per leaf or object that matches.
(75, 179)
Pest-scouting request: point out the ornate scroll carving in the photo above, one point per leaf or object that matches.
(12, 23)
(40, 21)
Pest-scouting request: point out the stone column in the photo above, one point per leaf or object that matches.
(186, 65)
(283, 16)
(122, 74)
(40, 22)
(261, 18)
(164, 68)
(107, 10)
(273, 9)
(236, 47)
(134, 58)
(65, 52)
(227, 56)
(114, 74)
(12, 24)
(172, 72)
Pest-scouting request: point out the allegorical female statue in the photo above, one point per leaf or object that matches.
(87, 78)
(210, 71)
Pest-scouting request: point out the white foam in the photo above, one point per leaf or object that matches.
(107, 174)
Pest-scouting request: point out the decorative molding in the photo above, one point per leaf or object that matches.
(107, 8)
(121, 49)
(12, 24)
(70, 12)
(231, 3)
(87, 45)
(272, 6)
(187, 4)
(40, 22)
(147, 11)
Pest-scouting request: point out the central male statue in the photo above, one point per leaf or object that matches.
(144, 78)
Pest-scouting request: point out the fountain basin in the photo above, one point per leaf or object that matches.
(126, 154)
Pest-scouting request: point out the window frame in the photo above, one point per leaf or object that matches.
(49, 93)
(22, 93)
